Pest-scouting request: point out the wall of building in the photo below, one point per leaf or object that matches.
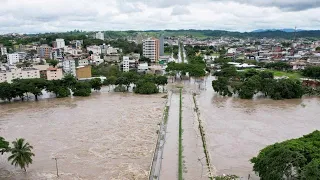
(83, 72)
(44, 51)
(151, 49)
(13, 58)
(54, 74)
(69, 66)
(17, 73)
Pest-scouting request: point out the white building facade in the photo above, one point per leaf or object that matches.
(151, 49)
(126, 64)
(69, 66)
(100, 35)
(13, 58)
(18, 73)
(60, 43)
(3, 51)
(95, 49)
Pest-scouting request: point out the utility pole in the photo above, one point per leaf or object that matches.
(56, 159)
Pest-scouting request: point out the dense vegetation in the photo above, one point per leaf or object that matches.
(195, 66)
(293, 159)
(21, 152)
(248, 83)
(312, 72)
(143, 83)
(171, 49)
(61, 88)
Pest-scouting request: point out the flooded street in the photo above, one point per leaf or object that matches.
(105, 136)
(237, 129)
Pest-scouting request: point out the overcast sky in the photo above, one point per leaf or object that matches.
(32, 16)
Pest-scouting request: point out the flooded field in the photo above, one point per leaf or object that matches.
(237, 129)
(105, 136)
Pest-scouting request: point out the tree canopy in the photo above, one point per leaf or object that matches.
(21, 154)
(247, 84)
(312, 72)
(4, 145)
(292, 159)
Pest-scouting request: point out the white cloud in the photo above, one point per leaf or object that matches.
(180, 10)
(45, 15)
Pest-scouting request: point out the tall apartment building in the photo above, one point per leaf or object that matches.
(128, 64)
(3, 50)
(13, 58)
(44, 51)
(57, 54)
(151, 49)
(100, 35)
(69, 66)
(161, 45)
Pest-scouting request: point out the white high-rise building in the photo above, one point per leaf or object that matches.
(13, 58)
(126, 64)
(3, 50)
(151, 49)
(69, 67)
(100, 35)
(60, 43)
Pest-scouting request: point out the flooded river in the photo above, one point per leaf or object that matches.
(237, 129)
(105, 136)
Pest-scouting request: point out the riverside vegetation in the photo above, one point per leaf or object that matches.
(21, 88)
(21, 152)
(296, 159)
(248, 83)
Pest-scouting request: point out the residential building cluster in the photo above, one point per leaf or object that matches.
(299, 53)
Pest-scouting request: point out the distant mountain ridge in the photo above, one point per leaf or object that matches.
(284, 30)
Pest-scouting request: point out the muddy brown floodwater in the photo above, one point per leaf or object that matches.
(105, 136)
(237, 129)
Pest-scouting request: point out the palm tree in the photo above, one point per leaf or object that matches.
(21, 154)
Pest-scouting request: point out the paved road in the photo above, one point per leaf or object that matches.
(169, 167)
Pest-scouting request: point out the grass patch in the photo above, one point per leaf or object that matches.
(291, 75)
(215, 54)
(180, 163)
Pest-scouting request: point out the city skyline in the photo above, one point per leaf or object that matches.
(36, 16)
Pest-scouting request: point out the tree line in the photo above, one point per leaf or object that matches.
(21, 152)
(195, 67)
(22, 88)
(171, 49)
(142, 83)
(248, 83)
